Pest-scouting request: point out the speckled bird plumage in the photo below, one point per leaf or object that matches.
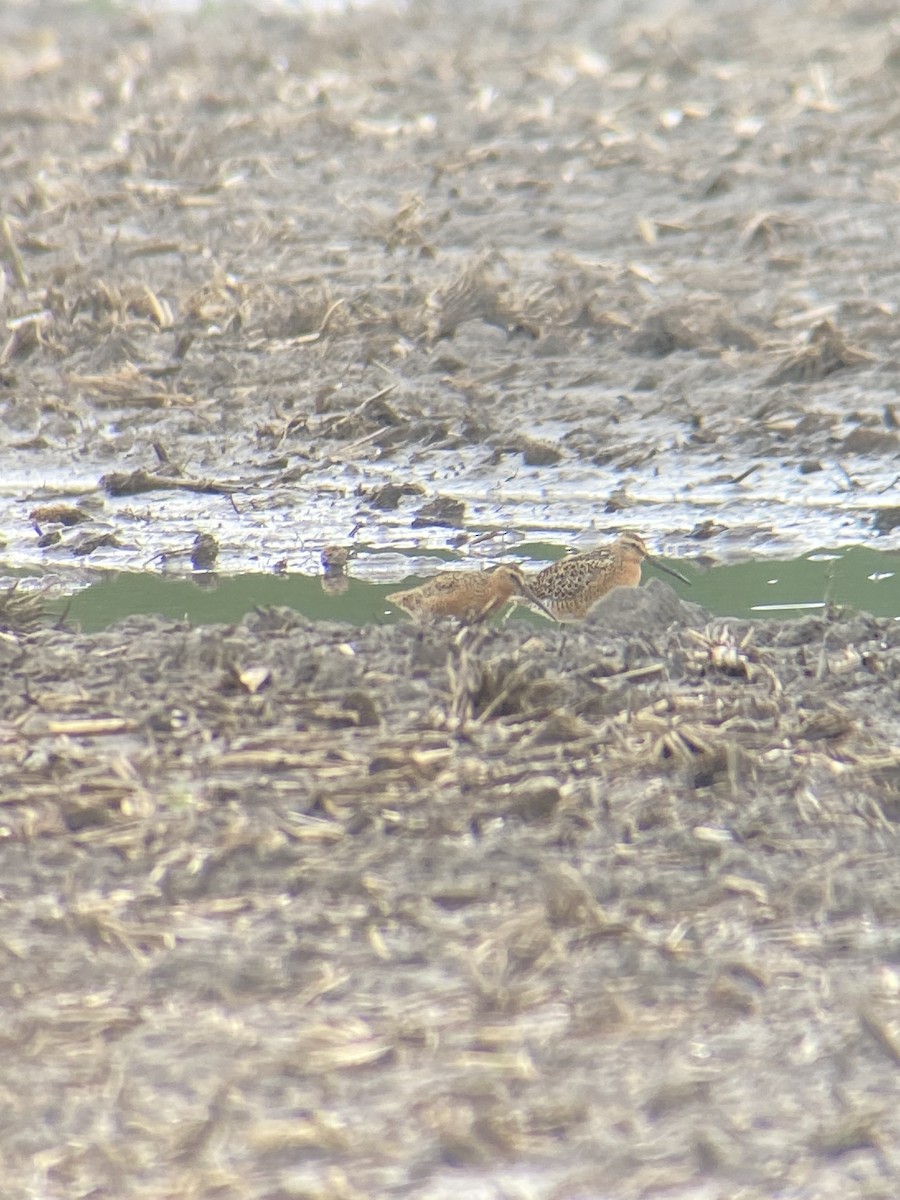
(467, 595)
(571, 587)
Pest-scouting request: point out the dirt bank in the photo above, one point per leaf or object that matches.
(294, 909)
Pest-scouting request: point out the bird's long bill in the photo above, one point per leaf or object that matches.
(532, 598)
(668, 570)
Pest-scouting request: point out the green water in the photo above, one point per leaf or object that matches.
(860, 578)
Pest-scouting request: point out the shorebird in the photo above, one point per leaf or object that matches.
(335, 580)
(467, 595)
(571, 587)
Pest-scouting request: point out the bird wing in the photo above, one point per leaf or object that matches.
(566, 579)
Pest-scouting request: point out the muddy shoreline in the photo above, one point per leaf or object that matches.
(294, 908)
(584, 911)
(579, 270)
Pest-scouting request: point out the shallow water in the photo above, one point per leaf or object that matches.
(764, 560)
(775, 514)
(855, 577)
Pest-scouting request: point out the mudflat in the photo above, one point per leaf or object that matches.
(295, 909)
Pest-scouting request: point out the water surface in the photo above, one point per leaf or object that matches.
(860, 578)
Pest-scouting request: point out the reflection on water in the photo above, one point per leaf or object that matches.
(857, 577)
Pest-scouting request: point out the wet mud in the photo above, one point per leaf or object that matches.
(292, 908)
(296, 908)
(398, 282)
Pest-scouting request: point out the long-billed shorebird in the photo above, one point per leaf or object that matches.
(571, 587)
(468, 595)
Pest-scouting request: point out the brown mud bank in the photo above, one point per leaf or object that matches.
(552, 269)
(296, 909)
